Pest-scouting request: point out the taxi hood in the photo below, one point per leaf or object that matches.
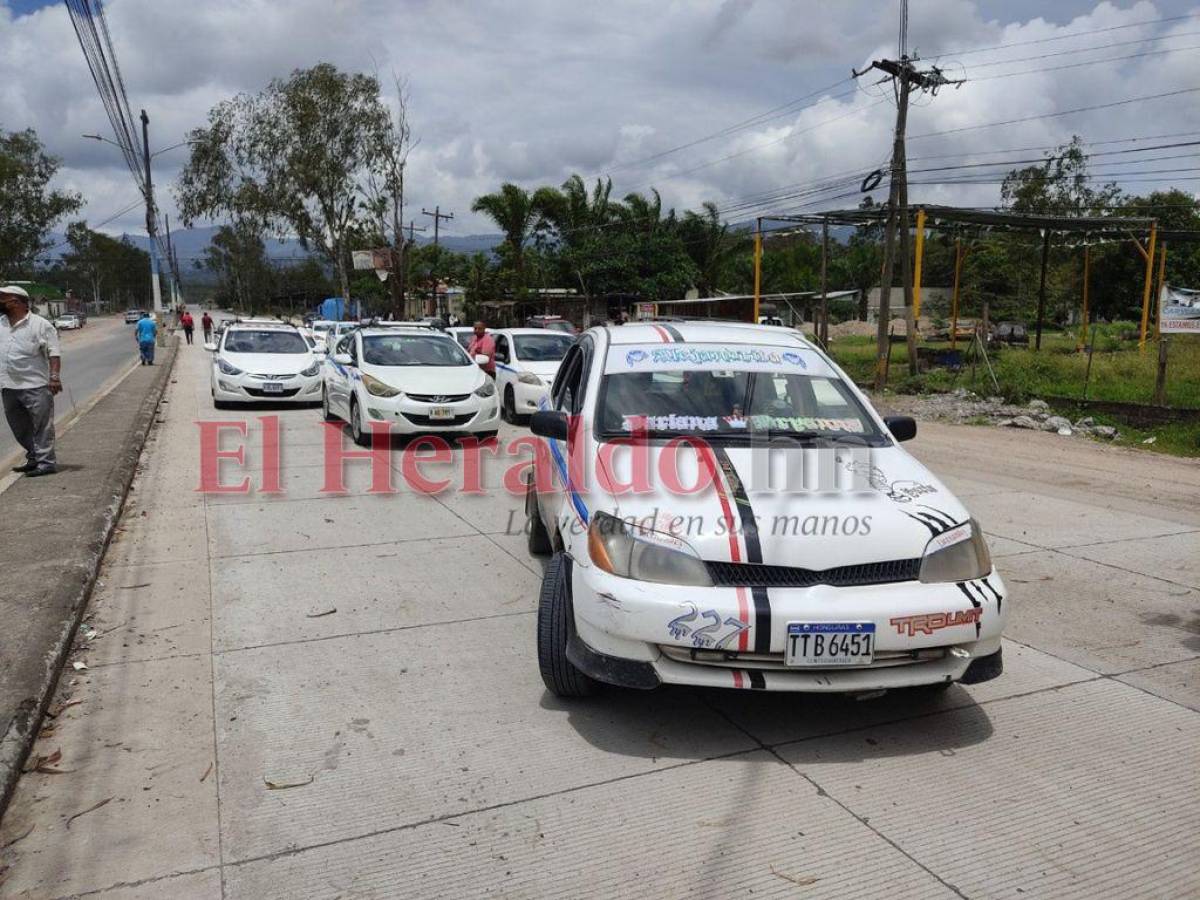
(815, 508)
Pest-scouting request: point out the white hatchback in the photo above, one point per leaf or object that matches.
(258, 361)
(725, 509)
(413, 378)
(527, 360)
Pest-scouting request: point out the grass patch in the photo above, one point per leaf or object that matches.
(1120, 374)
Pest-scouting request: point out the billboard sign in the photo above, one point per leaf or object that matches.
(1180, 311)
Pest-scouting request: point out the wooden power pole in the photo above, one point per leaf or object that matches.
(437, 215)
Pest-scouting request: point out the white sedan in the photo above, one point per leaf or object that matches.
(261, 361)
(413, 378)
(527, 360)
(68, 322)
(734, 514)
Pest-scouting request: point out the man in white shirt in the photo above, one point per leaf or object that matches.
(29, 378)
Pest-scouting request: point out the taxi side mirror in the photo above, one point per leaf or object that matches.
(549, 423)
(481, 359)
(210, 347)
(903, 428)
(343, 359)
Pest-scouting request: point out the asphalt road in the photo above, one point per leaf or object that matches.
(304, 694)
(93, 357)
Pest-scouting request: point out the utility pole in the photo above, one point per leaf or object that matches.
(412, 229)
(904, 76)
(172, 266)
(155, 288)
(437, 215)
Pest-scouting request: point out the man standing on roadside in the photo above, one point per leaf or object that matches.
(483, 344)
(29, 378)
(189, 325)
(146, 332)
(206, 323)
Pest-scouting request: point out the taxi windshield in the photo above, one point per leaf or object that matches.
(412, 350)
(714, 403)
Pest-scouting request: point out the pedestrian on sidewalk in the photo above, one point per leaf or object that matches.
(206, 323)
(30, 365)
(147, 332)
(188, 325)
(483, 344)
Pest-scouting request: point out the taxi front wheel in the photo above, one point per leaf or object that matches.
(554, 609)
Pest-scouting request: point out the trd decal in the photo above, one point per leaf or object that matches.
(708, 636)
(903, 490)
(928, 623)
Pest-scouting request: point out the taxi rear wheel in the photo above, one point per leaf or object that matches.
(326, 412)
(554, 607)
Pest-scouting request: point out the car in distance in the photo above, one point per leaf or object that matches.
(527, 360)
(133, 316)
(68, 322)
(415, 378)
(259, 361)
(863, 574)
(554, 323)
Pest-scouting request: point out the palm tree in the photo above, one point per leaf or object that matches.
(707, 241)
(517, 213)
(644, 215)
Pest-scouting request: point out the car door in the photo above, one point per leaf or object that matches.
(504, 363)
(342, 383)
(560, 506)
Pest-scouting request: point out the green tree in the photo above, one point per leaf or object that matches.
(29, 207)
(517, 213)
(238, 257)
(109, 269)
(707, 241)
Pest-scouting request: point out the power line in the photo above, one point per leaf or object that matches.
(1053, 115)
(1064, 37)
(1078, 65)
(1073, 50)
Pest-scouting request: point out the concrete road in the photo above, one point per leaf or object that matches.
(331, 696)
(93, 358)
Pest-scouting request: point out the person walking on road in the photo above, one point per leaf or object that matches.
(483, 344)
(188, 324)
(147, 332)
(206, 323)
(30, 364)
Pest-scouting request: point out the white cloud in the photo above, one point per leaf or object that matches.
(534, 91)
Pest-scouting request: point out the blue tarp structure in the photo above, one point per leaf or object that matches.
(335, 309)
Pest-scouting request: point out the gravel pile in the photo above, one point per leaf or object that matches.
(961, 406)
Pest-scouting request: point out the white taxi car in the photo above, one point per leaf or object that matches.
(262, 360)
(527, 360)
(415, 378)
(725, 509)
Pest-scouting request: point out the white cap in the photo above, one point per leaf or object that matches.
(15, 291)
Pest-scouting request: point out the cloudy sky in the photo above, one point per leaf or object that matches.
(531, 91)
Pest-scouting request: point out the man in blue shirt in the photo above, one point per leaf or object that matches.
(147, 331)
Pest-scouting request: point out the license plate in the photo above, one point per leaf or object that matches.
(272, 387)
(830, 644)
(441, 412)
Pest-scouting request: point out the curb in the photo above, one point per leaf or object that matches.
(16, 742)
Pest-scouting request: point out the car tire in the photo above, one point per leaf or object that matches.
(326, 412)
(559, 674)
(362, 438)
(508, 406)
(537, 538)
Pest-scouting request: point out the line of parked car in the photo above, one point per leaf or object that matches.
(883, 582)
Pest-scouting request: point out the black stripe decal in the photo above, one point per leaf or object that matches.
(673, 332)
(741, 501)
(945, 519)
(995, 593)
(762, 620)
(935, 521)
(975, 603)
(758, 681)
(932, 529)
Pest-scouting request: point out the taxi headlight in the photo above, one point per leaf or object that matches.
(529, 378)
(377, 388)
(961, 554)
(226, 368)
(630, 552)
(487, 389)
(312, 370)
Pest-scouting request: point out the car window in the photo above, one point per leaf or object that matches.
(715, 403)
(246, 341)
(501, 348)
(566, 385)
(549, 347)
(412, 350)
